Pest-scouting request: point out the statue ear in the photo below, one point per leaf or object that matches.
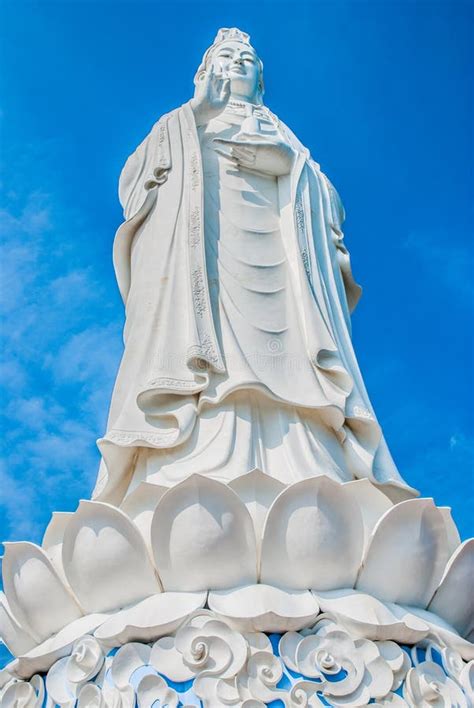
(199, 77)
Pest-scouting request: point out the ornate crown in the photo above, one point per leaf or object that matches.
(223, 35)
(234, 33)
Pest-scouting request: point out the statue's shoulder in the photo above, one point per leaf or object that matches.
(167, 117)
(158, 136)
(146, 164)
(159, 126)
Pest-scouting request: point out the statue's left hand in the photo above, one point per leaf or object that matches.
(267, 156)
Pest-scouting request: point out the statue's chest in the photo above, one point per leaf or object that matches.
(242, 198)
(242, 224)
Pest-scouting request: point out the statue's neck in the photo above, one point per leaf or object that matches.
(238, 99)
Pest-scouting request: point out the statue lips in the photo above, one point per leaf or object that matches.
(237, 69)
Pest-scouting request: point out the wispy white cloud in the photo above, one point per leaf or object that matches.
(89, 359)
(438, 465)
(18, 508)
(463, 444)
(450, 264)
(61, 343)
(435, 454)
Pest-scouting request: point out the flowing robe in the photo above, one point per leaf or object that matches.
(238, 292)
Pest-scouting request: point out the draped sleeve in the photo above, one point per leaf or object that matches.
(144, 171)
(353, 290)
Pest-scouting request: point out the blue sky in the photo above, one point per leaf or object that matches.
(381, 94)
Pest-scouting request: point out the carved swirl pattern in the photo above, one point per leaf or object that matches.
(208, 663)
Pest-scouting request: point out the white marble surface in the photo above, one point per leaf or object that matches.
(246, 488)
(208, 663)
(238, 292)
(316, 547)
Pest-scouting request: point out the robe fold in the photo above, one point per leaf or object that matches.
(176, 390)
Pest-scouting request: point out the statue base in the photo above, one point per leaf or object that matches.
(210, 664)
(211, 595)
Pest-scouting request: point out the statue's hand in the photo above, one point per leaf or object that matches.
(268, 156)
(211, 96)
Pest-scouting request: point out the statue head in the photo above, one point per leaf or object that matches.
(232, 56)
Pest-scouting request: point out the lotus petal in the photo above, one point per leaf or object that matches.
(454, 539)
(42, 657)
(406, 555)
(15, 638)
(454, 598)
(36, 595)
(263, 608)
(53, 540)
(313, 537)
(105, 559)
(151, 618)
(366, 617)
(199, 530)
(373, 503)
(140, 506)
(258, 491)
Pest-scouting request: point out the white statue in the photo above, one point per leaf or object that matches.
(238, 292)
(238, 397)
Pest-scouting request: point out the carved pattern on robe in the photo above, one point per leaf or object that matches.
(163, 157)
(207, 348)
(200, 304)
(165, 382)
(132, 437)
(300, 221)
(205, 351)
(194, 227)
(195, 176)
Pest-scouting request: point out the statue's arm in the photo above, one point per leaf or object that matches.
(353, 290)
(146, 169)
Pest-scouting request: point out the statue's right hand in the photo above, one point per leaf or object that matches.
(211, 96)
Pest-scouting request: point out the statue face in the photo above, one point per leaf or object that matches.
(239, 63)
